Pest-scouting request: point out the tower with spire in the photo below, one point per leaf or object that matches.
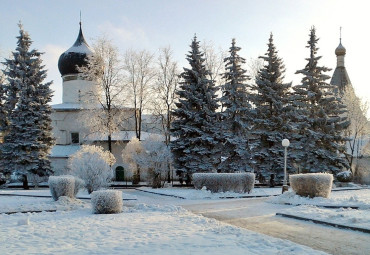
(340, 76)
(74, 86)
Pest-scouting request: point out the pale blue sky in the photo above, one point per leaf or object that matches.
(140, 24)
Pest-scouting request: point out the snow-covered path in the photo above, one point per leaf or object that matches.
(258, 216)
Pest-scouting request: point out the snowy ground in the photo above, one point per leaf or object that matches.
(142, 229)
(157, 225)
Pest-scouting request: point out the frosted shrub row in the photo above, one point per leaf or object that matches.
(312, 184)
(223, 182)
(64, 185)
(106, 201)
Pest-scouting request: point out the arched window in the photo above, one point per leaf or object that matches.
(120, 174)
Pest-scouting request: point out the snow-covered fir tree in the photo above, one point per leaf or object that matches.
(237, 114)
(3, 114)
(270, 96)
(28, 138)
(195, 124)
(320, 121)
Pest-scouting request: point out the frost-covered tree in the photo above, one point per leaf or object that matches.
(28, 139)
(154, 159)
(236, 116)
(358, 129)
(133, 147)
(195, 124)
(320, 120)
(140, 76)
(271, 123)
(104, 67)
(92, 164)
(165, 90)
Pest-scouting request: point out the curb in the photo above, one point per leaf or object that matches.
(85, 198)
(328, 206)
(257, 196)
(52, 210)
(167, 195)
(364, 230)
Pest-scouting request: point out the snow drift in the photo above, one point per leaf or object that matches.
(223, 182)
(312, 184)
(106, 201)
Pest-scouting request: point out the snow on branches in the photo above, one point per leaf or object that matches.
(93, 165)
(152, 156)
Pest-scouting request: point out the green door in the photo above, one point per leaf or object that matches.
(120, 174)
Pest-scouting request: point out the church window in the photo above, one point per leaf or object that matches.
(75, 137)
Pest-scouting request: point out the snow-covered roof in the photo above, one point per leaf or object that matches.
(66, 106)
(74, 106)
(118, 136)
(63, 151)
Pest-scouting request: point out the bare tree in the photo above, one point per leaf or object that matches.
(140, 74)
(164, 90)
(357, 110)
(253, 66)
(214, 61)
(104, 114)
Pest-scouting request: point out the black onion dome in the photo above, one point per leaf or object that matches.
(74, 56)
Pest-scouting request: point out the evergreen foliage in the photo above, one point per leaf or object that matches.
(272, 120)
(3, 112)
(320, 121)
(236, 116)
(28, 138)
(195, 124)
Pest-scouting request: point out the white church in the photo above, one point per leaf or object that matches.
(69, 130)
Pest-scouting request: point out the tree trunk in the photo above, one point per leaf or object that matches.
(25, 182)
(110, 143)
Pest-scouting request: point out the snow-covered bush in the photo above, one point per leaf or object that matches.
(93, 165)
(312, 184)
(79, 184)
(132, 148)
(151, 155)
(223, 182)
(106, 201)
(345, 176)
(62, 186)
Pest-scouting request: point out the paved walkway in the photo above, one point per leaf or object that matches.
(258, 216)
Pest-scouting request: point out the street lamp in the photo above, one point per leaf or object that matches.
(285, 144)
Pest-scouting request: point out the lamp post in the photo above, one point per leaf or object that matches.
(285, 144)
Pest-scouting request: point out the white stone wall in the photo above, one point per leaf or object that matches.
(66, 122)
(59, 166)
(75, 91)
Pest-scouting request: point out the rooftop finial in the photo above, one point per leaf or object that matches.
(340, 34)
(80, 18)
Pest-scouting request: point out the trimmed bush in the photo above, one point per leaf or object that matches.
(312, 184)
(63, 185)
(106, 201)
(224, 182)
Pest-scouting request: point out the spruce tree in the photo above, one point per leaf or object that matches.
(272, 121)
(237, 114)
(320, 120)
(195, 121)
(28, 138)
(3, 112)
